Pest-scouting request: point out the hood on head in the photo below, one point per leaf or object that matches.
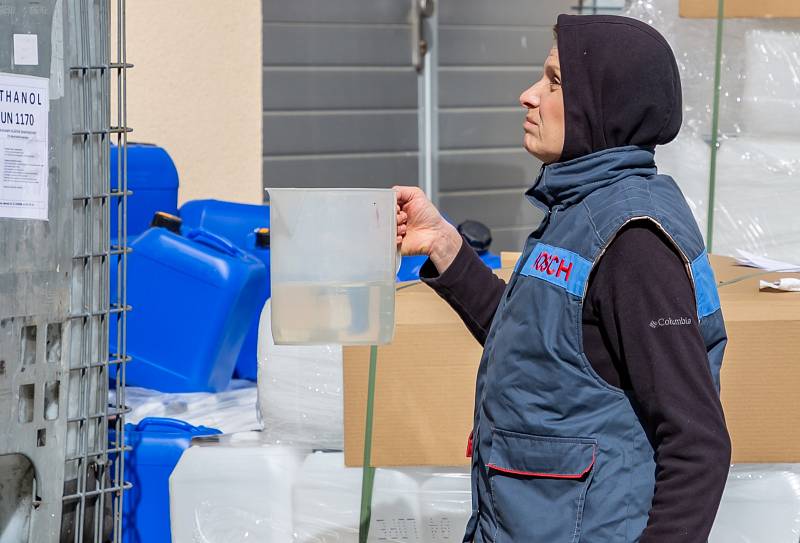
(620, 83)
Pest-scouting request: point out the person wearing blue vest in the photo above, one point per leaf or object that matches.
(597, 412)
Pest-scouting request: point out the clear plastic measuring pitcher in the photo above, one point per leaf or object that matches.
(333, 264)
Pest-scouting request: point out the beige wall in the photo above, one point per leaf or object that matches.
(196, 90)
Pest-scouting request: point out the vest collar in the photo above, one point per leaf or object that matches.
(567, 183)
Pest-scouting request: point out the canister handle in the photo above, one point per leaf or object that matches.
(215, 242)
(165, 422)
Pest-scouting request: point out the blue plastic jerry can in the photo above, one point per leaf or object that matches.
(193, 299)
(156, 444)
(246, 226)
(257, 244)
(231, 220)
(153, 181)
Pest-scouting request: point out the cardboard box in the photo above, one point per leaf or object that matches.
(761, 369)
(703, 9)
(425, 384)
(509, 259)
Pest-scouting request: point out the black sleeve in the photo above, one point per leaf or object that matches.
(644, 301)
(470, 287)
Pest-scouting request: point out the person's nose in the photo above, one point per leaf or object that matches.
(529, 98)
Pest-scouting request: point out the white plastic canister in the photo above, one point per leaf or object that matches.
(327, 503)
(446, 504)
(761, 504)
(234, 489)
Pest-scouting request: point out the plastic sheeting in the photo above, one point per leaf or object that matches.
(230, 411)
(771, 96)
(758, 197)
(761, 504)
(234, 489)
(240, 488)
(299, 391)
(409, 505)
(297, 401)
(758, 161)
(327, 503)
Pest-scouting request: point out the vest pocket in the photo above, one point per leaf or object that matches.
(539, 486)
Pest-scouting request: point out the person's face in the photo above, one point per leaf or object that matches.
(544, 115)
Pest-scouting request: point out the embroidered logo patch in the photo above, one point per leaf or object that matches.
(558, 266)
(671, 321)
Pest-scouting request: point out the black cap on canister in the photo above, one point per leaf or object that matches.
(477, 234)
(167, 220)
(262, 238)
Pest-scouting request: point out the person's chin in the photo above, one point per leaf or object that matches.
(529, 143)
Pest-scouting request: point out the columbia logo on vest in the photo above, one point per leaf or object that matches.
(669, 321)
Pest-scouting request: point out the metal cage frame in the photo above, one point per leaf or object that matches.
(61, 478)
(94, 455)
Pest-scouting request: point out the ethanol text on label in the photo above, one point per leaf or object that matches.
(30, 98)
(19, 119)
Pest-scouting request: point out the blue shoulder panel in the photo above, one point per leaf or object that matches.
(558, 266)
(705, 286)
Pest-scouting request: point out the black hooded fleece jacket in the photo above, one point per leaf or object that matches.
(621, 86)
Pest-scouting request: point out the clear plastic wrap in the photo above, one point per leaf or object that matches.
(758, 169)
(233, 410)
(297, 401)
(761, 504)
(299, 391)
(446, 504)
(240, 488)
(758, 197)
(409, 505)
(234, 489)
(327, 503)
(771, 97)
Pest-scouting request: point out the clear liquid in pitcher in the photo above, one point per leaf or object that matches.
(339, 313)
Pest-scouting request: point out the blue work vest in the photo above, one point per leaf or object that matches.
(560, 455)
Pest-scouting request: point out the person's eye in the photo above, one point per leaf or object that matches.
(555, 84)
